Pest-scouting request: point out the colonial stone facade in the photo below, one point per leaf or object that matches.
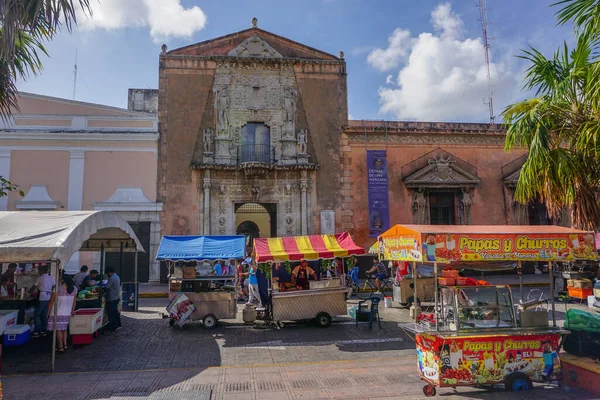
(256, 122)
(250, 118)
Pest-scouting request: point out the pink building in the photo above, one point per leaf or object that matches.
(70, 155)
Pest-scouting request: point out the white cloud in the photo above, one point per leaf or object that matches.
(447, 22)
(442, 76)
(399, 44)
(165, 18)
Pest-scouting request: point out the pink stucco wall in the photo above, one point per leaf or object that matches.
(37, 167)
(105, 171)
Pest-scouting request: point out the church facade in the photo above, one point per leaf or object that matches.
(255, 140)
(249, 136)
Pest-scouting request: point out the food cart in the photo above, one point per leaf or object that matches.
(325, 298)
(476, 335)
(200, 298)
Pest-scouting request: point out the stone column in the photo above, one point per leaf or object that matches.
(206, 214)
(5, 173)
(75, 195)
(304, 206)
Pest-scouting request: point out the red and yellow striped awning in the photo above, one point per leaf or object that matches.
(295, 248)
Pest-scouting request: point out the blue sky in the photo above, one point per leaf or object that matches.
(410, 60)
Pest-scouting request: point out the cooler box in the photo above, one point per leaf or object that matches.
(84, 325)
(8, 318)
(86, 321)
(16, 335)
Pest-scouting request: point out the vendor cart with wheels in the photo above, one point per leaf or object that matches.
(323, 299)
(194, 297)
(476, 335)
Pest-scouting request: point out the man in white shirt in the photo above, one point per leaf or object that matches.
(78, 277)
(45, 284)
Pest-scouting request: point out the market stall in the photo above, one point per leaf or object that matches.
(321, 300)
(476, 335)
(53, 237)
(194, 297)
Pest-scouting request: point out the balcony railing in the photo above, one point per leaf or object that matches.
(259, 153)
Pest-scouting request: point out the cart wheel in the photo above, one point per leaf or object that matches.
(429, 390)
(323, 319)
(171, 322)
(280, 324)
(517, 382)
(210, 321)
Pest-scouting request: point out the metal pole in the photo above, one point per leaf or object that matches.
(551, 275)
(121, 260)
(102, 256)
(414, 265)
(435, 274)
(135, 280)
(56, 276)
(520, 273)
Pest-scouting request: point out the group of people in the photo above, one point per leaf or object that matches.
(63, 301)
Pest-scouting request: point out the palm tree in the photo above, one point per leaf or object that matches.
(560, 126)
(25, 25)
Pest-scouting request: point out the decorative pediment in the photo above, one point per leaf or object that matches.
(441, 172)
(254, 47)
(511, 180)
(37, 199)
(128, 199)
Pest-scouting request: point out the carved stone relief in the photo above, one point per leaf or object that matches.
(254, 46)
(419, 207)
(465, 207)
(245, 94)
(327, 222)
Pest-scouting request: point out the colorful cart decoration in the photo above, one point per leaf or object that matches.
(476, 335)
(296, 248)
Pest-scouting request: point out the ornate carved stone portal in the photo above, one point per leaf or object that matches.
(441, 174)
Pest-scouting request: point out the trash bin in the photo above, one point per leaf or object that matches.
(130, 296)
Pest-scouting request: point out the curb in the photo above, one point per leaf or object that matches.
(153, 295)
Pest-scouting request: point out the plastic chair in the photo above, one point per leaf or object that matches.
(364, 313)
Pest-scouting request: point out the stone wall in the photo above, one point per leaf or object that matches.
(476, 148)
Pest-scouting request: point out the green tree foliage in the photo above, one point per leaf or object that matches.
(560, 126)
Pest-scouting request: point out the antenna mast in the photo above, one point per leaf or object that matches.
(75, 75)
(486, 48)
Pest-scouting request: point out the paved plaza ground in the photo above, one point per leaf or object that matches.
(149, 359)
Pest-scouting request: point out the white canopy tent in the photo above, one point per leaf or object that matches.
(54, 236)
(29, 236)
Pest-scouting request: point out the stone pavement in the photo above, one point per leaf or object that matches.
(149, 359)
(379, 378)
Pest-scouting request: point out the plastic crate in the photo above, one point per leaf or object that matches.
(86, 321)
(450, 273)
(460, 281)
(578, 293)
(447, 281)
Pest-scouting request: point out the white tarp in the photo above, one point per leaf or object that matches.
(28, 236)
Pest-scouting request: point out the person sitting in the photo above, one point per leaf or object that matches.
(78, 277)
(379, 272)
(217, 269)
(353, 274)
(300, 275)
(283, 278)
(89, 280)
(4, 288)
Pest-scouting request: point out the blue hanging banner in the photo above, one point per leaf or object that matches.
(377, 187)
